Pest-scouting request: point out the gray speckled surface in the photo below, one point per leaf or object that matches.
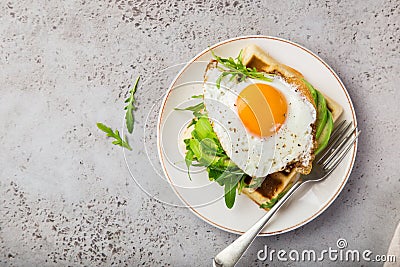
(65, 193)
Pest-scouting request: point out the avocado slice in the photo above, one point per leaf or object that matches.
(312, 91)
(320, 102)
(322, 114)
(323, 139)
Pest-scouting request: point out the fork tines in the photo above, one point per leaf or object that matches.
(342, 138)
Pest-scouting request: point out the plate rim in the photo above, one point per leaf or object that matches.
(344, 181)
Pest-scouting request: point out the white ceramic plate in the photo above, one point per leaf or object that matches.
(205, 198)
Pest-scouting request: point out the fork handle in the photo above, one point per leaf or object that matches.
(232, 253)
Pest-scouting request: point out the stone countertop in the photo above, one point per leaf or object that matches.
(66, 197)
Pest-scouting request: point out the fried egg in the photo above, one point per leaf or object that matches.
(263, 126)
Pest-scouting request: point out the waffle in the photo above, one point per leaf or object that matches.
(275, 183)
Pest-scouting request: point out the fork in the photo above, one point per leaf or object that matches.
(342, 139)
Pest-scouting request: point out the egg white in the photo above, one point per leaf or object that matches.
(258, 157)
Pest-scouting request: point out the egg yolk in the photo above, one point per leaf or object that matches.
(262, 109)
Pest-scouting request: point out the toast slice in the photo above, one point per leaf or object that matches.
(276, 183)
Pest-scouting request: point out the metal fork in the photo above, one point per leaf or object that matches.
(342, 139)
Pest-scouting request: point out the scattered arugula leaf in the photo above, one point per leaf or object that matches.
(236, 68)
(114, 134)
(272, 202)
(130, 107)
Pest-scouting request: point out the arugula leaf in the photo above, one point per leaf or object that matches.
(196, 109)
(203, 129)
(241, 185)
(256, 182)
(230, 195)
(225, 73)
(272, 202)
(201, 154)
(237, 69)
(188, 160)
(224, 178)
(130, 107)
(194, 145)
(209, 146)
(205, 150)
(213, 173)
(114, 134)
(197, 96)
